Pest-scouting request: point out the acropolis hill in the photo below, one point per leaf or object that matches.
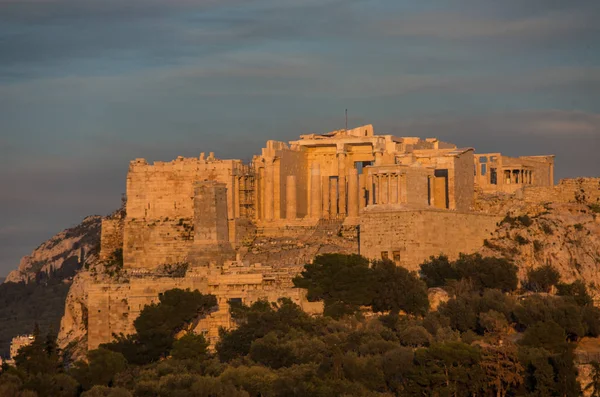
(245, 230)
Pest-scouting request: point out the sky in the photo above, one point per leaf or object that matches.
(88, 85)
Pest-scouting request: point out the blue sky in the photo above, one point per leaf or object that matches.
(87, 85)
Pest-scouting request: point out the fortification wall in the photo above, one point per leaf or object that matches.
(411, 236)
(579, 190)
(111, 237)
(114, 307)
(166, 189)
(151, 243)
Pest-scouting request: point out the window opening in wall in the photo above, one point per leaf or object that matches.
(483, 169)
(235, 301)
(483, 159)
(493, 176)
(360, 166)
(396, 256)
(443, 173)
(384, 255)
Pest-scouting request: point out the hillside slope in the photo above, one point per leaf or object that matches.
(35, 293)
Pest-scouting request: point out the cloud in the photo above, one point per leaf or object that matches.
(455, 26)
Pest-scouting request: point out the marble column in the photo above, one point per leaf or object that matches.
(353, 193)
(269, 189)
(315, 192)
(394, 189)
(341, 182)
(326, 193)
(362, 189)
(290, 197)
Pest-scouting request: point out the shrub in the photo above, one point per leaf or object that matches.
(578, 226)
(542, 278)
(521, 240)
(546, 228)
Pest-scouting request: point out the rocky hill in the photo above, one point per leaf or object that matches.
(565, 235)
(35, 293)
(62, 255)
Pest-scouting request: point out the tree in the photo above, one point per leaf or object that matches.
(576, 290)
(101, 368)
(41, 356)
(158, 324)
(548, 335)
(502, 368)
(487, 272)
(398, 289)
(338, 280)
(437, 271)
(190, 347)
(542, 279)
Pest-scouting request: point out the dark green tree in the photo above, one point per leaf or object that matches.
(437, 271)
(542, 278)
(342, 282)
(398, 289)
(101, 368)
(158, 324)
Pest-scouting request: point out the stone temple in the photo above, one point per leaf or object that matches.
(397, 198)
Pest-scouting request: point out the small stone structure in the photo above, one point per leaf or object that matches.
(19, 342)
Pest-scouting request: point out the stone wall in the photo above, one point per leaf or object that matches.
(151, 243)
(114, 307)
(111, 237)
(582, 190)
(411, 236)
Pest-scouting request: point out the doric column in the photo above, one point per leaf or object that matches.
(315, 191)
(431, 192)
(353, 193)
(379, 188)
(290, 197)
(394, 189)
(333, 196)
(236, 195)
(341, 155)
(369, 188)
(362, 189)
(402, 189)
(269, 188)
(261, 192)
(326, 193)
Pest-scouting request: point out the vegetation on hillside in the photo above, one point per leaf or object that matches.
(484, 341)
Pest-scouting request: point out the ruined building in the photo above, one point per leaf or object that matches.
(397, 198)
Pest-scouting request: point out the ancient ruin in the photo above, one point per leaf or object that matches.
(242, 231)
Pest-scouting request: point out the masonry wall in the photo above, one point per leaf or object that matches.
(464, 181)
(114, 307)
(584, 190)
(111, 237)
(415, 235)
(151, 243)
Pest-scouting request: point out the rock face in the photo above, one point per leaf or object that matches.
(565, 235)
(64, 253)
(73, 325)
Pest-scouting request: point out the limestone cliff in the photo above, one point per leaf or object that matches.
(62, 254)
(565, 235)
(73, 325)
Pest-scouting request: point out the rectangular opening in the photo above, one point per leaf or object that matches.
(493, 176)
(360, 166)
(385, 255)
(396, 256)
(441, 198)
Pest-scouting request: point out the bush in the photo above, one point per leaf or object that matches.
(437, 271)
(542, 278)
